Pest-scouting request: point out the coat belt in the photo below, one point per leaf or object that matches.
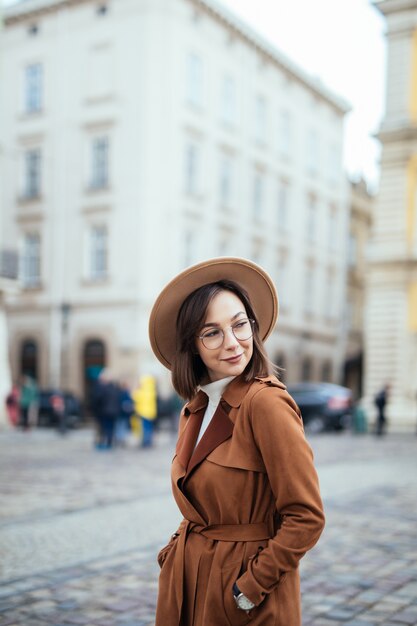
(232, 532)
(216, 532)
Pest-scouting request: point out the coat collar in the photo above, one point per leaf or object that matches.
(233, 395)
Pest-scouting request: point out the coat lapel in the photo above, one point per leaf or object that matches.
(219, 429)
(186, 442)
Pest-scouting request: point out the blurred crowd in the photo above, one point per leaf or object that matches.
(120, 413)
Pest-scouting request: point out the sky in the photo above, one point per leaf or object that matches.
(341, 42)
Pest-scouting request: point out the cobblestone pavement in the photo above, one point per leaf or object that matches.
(79, 530)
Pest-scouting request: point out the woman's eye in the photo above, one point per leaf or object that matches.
(211, 333)
(241, 324)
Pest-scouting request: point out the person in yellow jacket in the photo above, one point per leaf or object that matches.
(144, 400)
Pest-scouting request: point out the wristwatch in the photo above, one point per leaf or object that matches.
(242, 602)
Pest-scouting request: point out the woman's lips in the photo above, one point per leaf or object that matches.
(233, 359)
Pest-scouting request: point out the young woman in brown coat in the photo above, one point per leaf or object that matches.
(243, 474)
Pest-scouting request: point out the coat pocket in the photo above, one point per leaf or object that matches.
(235, 616)
(163, 553)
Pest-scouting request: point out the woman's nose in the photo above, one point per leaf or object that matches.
(230, 340)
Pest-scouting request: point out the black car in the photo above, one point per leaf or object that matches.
(47, 411)
(324, 406)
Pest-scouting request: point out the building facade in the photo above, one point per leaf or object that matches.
(391, 327)
(144, 135)
(361, 215)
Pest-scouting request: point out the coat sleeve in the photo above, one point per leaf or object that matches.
(288, 459)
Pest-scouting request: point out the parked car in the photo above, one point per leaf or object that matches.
(47, 413)
(324, 406)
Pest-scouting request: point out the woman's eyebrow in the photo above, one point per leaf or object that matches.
(215, 325)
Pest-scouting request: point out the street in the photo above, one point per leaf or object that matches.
(80, 529)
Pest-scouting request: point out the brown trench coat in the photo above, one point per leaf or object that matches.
(250, 499)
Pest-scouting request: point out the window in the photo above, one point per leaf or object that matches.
(31, 260)
(306, 369)
(224, 247)
(312, 152)
(260, 119)
(188, 248)
(32, 173)
(33, 30)
(33, 87)
(192, 168)
(332, 228)
(282, 280)
(281, 362)
(258, 194)
(282, 205)
(194, 80)
(328, 301)
(102, 10)
(309, 290)
(228, 100)
(98, 252)
(334, 167)
(311, 218)
(352, 250)
(326, 372)
(284, 133)
(99, 163)
(226, 180)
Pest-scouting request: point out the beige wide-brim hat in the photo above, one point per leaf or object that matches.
(259, 286)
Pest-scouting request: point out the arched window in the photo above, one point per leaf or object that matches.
(29, 359)
(94, 360)
(306, 369)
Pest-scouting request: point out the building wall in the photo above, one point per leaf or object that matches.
(361, 214)
(123, 75)
(391, 338)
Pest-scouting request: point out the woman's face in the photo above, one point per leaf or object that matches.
(230, 359)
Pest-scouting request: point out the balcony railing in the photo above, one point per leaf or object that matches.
(9, 263)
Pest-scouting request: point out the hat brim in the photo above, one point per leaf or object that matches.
(258, 284)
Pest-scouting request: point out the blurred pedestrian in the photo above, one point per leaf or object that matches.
(106, 405)
(12, 405)
(58, 408)
(123, 419)
(381, 400)
(28, 401)
(144, 399)
(243, 473)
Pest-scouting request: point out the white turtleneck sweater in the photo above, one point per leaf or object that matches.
(214, 392)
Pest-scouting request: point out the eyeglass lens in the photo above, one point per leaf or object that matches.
(214, 337)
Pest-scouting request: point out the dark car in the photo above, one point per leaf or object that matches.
(324, 406)
(48, 414)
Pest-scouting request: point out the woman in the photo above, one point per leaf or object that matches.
(243, 475)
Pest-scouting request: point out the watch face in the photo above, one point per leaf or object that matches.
(244, 603)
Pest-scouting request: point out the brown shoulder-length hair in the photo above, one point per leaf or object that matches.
(188, 369)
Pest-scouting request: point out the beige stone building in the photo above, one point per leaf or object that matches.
(144, 135)
(391, 326)
(362, 206)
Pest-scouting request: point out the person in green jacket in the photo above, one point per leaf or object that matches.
(29, 398)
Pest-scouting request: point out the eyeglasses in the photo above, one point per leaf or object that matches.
(213, 337)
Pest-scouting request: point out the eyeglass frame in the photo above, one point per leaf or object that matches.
(252, 325)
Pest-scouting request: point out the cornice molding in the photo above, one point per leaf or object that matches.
(397, 133)
(386, 7)
(30, 9)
